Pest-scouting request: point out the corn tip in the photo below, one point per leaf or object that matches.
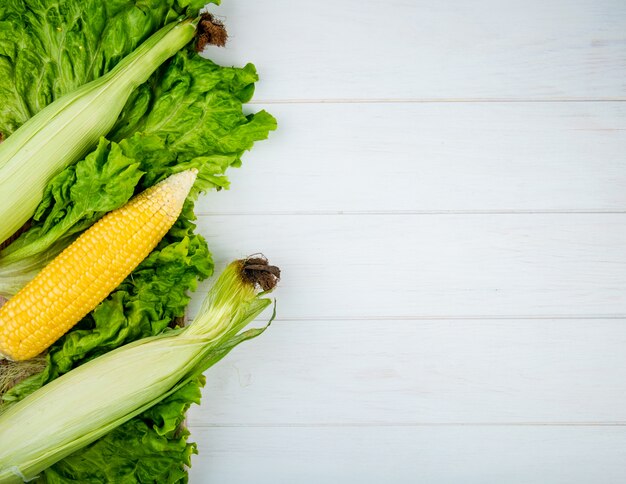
(181, 183)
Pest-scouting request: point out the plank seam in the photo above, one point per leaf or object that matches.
(471, 317)
(541, 317)
(410, 424)
(433, 100)
(413, 212)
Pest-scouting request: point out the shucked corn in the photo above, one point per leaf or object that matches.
(87, 271)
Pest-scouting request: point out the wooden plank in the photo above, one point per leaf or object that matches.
(415, 266)
(421, 372)
(442, 455)
(419, 49)
(433, 157)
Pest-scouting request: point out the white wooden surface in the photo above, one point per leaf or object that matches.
(446, 196)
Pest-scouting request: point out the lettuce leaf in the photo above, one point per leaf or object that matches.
(50, 47)
(189, 114)
(192, 119)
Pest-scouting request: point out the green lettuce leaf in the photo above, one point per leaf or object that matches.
(50, 47)
(189, 114)
(194, 120)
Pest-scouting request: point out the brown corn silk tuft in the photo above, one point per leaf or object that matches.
(13, 372)
(210, 32)
(257, 271)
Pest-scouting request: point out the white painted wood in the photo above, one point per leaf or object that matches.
(433, 157)
(407, 266)
(440, 455)
(454, 296)
(420, 49)
(421, 372)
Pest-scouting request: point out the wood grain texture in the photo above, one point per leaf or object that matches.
(420, 49)
(433, 157)
(441, 455)
(338, 373)
(446, 196)
(419, 266)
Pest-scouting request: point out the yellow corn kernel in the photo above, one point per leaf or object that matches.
(90, 269)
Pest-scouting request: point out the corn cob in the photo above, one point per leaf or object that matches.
(85, 273)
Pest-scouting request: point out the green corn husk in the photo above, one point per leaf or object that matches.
(89, 401)
(62, 132)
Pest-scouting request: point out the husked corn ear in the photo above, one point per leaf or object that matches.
(85, 273)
